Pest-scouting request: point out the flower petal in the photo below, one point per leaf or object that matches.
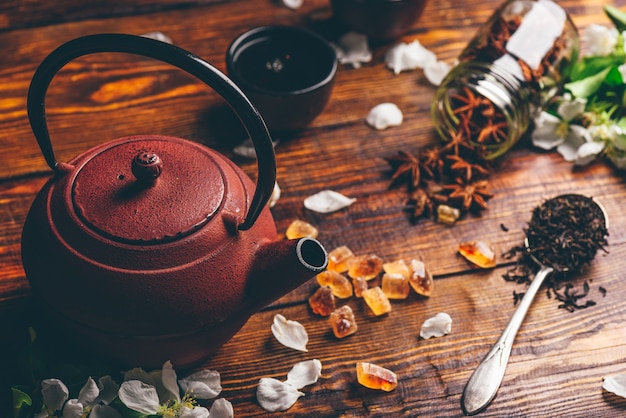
(384, 115)
(327, 201)
(615, 384)
(274, 196)
(140, 397)
(353, 49)
(289, 333)
(588, 152)
(437, 326)
(619, 161)
(168, 377)
(304, 373)
(274, 395)
(73, 409)
(221, 408)
(108, 389)
(54, 393)
(104, 411)
(204, 384)
(293, 4)
(568, 110)
(576, 137)
(197, 412)
(435, 72)
(545, 135)
(408, 56)
(89, 392)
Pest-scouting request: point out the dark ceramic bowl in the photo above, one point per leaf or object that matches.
(381, 20)
(287, 72)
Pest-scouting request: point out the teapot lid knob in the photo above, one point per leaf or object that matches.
(146, 167)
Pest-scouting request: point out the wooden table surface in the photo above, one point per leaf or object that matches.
(558, 359)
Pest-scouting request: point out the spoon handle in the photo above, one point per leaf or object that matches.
(482, 386)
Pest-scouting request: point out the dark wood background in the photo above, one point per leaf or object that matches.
(559, 358)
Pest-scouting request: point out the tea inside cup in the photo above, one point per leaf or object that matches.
(287, 72)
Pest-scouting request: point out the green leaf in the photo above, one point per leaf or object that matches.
(590, 85)
(617, 17)
(614, 78)
(589, 66)
(21, 400)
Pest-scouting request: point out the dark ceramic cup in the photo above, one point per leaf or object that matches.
(381, 20)
(287, 72)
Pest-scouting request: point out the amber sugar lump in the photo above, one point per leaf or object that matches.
(377, 301)
(342, 322)
(479, 253)
(395, 286)
(322, 302)
(338, 259)
(366, 266)
(338, 283)
(420, 279)
(397, 267)
(359, 284)
(373, 376)
(301, 229)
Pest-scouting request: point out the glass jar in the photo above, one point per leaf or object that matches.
(513, 65)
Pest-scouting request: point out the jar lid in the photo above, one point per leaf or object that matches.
(148, 189)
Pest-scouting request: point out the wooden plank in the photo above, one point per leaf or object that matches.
(559, 358)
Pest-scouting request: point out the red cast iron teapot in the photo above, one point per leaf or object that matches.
(154, 248)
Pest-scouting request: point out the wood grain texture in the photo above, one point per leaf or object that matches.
(559, 358)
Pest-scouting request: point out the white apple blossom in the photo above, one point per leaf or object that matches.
(149, 392)
(601, 40)
(574, 142)
(92, 401)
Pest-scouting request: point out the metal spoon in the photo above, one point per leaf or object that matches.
(482, 386)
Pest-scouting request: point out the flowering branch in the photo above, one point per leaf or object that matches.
(588, 120)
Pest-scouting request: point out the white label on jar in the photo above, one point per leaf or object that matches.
(540, 27)
(509, 63)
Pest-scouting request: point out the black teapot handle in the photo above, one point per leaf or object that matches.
(247, 113)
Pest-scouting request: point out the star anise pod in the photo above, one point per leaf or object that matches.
(459, 139)
(492, 132)
(424, 200)
(469, 170)
(467, 102)
(471, 195)
(432, 159)
(420, 204)
(408, 165)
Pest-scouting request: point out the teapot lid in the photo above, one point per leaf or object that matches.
(148, 189)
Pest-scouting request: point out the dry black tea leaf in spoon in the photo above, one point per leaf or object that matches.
(566, 232)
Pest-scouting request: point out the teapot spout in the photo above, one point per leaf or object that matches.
(282, 266)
